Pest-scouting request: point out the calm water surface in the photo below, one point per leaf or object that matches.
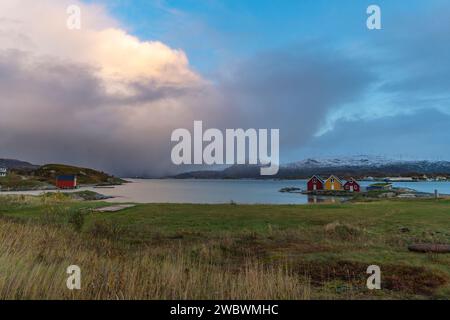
(225, 191)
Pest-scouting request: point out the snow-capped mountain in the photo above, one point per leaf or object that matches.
(355, 166)
(356, 161)
(364, 165)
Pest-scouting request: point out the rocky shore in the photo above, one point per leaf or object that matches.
(404, 193)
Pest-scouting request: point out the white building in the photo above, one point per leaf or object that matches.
(3, 172)
(399, 179)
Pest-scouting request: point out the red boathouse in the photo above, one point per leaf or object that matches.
(315, 183)
(352, 186)
(66, 182)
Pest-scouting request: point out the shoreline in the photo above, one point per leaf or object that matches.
(54, 188)
(229, 191)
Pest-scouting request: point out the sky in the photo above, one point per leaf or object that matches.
(109, 95)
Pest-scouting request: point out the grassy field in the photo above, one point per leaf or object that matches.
(170, 251)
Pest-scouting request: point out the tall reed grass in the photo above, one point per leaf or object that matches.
(34, 259)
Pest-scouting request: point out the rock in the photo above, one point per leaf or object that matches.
(429, 247)
(291, 190)
(387, 195)
(406, 196)
(88, 196)
(115, 208)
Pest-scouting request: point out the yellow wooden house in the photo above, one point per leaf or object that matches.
(333, 183)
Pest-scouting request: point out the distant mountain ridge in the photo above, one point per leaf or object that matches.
(355, 166)
(369, 161)
(16, 164)
(354, 161)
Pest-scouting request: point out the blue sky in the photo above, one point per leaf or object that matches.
(214, 32)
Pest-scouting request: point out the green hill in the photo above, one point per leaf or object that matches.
(44, 177)
(49, 172)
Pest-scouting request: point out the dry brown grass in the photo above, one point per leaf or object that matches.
(34, 258)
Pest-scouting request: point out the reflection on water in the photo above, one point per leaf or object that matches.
(207, 191)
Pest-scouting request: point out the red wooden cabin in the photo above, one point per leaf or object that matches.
(315, 183)
(352, 186)
(66, 182)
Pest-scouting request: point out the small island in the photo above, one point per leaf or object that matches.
(351, 189)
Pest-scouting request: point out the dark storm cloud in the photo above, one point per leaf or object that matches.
(54, 81)
(54, 111)
(294, 89)
(47, 81)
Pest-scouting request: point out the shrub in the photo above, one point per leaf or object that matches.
(105, 229)
(53, 214)
(76, 219)
(343, 231)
